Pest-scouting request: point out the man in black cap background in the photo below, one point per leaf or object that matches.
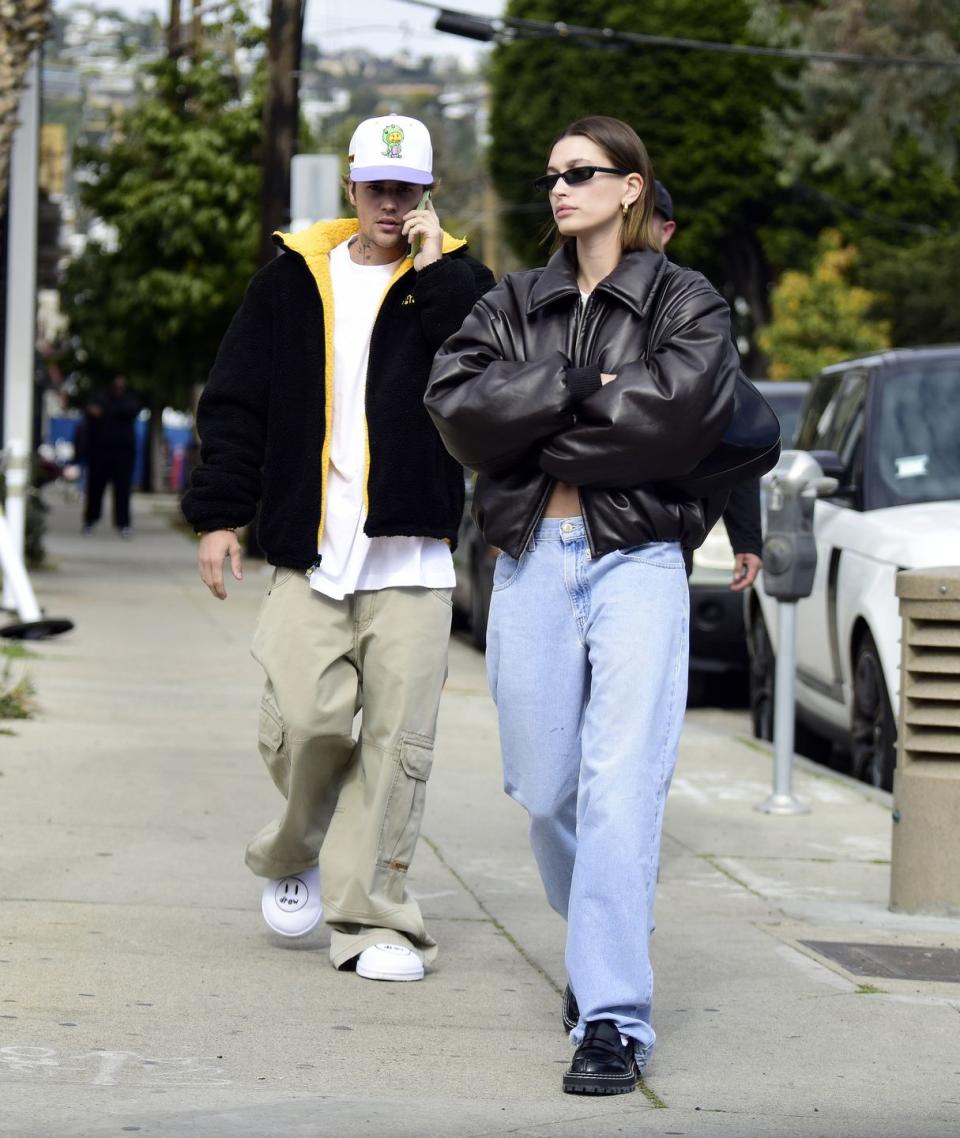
(741, 515)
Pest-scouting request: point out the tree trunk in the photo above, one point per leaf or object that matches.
(174, 45)
(157, 452)
(749, 279)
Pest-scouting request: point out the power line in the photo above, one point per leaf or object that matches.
(508, 29)
(875, 219)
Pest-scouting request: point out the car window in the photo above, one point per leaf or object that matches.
(818, 415)
(917, 458)
(844, 433)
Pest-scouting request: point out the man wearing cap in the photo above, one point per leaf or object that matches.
(741, 514)
(314, 410)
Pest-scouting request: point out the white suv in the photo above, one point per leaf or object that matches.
(888, 427)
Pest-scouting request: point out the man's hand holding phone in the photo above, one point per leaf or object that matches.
(421, 227)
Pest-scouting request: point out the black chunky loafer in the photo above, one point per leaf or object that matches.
(603, 1064)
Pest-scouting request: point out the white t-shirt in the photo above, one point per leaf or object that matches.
(349, 560)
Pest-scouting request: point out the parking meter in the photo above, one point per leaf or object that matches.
(789, 548)
(789, 566)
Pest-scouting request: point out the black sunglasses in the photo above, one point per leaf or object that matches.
(574, 176)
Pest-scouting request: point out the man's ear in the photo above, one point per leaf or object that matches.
(352, 193)
(669, 228)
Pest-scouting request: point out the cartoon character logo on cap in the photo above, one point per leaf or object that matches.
(392, 137)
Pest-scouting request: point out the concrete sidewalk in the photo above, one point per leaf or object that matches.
(141, 993)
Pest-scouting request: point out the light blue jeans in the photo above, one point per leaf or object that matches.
(587, 662)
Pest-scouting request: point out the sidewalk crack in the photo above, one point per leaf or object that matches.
(648, 1093)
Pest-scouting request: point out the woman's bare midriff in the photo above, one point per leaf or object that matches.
(564, 502)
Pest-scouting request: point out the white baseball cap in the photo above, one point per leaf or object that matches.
(394, 148)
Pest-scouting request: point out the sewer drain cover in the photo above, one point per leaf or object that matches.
(892, 961)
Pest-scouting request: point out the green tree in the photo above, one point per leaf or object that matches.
(920, 283)
(700, 115)
(877, 147)
(855, 117)
(820, 318)
(179, 190)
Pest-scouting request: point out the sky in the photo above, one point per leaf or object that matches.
(383, 26)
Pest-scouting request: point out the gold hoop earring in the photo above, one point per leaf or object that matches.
(624, 206)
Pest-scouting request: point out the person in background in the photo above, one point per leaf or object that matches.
(741, 515)
(108, 447)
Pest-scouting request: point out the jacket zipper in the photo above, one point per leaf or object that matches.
(583, 309)
(578, 343)
(392, 285)
(537, 513)
(586, 524)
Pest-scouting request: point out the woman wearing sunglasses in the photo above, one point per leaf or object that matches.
(578, 391)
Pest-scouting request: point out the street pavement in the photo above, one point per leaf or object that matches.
(141, 993)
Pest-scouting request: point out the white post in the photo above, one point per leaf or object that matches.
(21, 316)
(15, 578)
(314, 189)
(782, 800)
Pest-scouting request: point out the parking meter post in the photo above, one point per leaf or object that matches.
(782, 801)
(789, 566)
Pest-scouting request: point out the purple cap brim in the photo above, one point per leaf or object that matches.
(390, 174)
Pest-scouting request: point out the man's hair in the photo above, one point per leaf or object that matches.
(346, 182)
(625, 149)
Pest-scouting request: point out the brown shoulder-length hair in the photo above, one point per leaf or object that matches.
(624, 147)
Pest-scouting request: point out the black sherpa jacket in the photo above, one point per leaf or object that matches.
(264, 413)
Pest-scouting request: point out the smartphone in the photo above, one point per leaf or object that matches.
(417, 239)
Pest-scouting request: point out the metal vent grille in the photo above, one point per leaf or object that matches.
(931, 684)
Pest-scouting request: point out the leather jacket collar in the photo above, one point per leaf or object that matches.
(633, 282)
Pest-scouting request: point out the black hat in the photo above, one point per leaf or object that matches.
(662, 200)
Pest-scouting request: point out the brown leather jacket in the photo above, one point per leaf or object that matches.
(516, 395)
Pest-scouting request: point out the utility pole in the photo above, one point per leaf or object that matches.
(491, 228)
(281, 117)
(281, 122)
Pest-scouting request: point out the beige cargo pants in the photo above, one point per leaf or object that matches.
(353, 804)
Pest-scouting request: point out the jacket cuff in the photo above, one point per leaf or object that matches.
(582, 381)
(427, 270)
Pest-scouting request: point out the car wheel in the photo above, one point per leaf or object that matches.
(762, 673)
(480, 593)
(874, 732)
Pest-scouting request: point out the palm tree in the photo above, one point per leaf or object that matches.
(23, 28)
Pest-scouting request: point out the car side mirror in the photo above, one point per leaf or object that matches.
(833, 466)
(829, 462)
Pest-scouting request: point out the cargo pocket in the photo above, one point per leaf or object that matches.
(404, 809)
(281, 575)
(271, 741)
